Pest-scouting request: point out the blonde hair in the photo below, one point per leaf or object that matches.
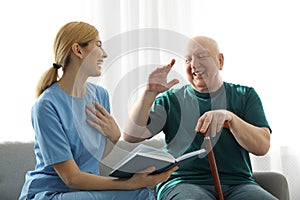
(70, 33)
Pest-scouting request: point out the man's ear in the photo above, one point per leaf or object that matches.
(76, 49)
(221, 61)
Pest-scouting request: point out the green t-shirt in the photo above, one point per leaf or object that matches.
(176, 112)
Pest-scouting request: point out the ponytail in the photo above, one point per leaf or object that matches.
(46, 80)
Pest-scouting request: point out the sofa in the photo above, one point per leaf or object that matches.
(16, 158)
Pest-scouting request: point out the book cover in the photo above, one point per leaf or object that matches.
(144, 156)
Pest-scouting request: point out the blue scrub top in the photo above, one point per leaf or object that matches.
(62, 133)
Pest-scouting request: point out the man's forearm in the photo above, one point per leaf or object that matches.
(254, 139)
(135, 129)
(140, 111)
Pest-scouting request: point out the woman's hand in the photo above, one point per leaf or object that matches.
(103, 122)
(146, 179)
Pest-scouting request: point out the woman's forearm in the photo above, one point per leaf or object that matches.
(87, 181)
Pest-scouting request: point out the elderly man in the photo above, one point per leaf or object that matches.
(231, 114)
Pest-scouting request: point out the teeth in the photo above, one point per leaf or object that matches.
(198, 73)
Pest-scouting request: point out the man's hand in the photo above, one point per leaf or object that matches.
(157, 79)
(213, 121)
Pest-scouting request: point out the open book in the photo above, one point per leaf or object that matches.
(144, 156)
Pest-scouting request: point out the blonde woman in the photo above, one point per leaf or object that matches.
(73, 127)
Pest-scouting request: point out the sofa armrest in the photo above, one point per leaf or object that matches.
(274, 182)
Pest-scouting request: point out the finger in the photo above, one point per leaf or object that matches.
(101, 113)
(170, 65)
(172, 62)
(148, 170)
(168, 173)
(220, 124)
(98, 119)
(91, 113)
(95, 122)
(173, 169)
(90, 122)
(94, 114)
(219, 127)
(90, 108)
(213, 127)
(203, 123)
(206, 123)
(172, 83)
(95, 125)
(222, 121)
(199, 124)
(100, 108)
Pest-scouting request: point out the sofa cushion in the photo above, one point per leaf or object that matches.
(16, 159)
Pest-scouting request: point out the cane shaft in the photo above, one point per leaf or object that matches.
(213, 167)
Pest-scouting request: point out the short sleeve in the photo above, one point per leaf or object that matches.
(254, 111)
(51, 138)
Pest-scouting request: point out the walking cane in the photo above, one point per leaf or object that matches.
(213, 167)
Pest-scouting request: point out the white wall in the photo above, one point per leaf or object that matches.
(260, 40)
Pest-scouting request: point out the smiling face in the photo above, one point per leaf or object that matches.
(95, 56)
(203, 63)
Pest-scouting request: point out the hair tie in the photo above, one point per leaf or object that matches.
(56, 66)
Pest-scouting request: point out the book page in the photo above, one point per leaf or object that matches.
(200, 153)
(146, 151)
(149, 151)
(124, 160)
(159, 155)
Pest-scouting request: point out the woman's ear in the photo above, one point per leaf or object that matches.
(76, 49)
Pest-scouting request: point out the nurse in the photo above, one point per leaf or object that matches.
(73, 127)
